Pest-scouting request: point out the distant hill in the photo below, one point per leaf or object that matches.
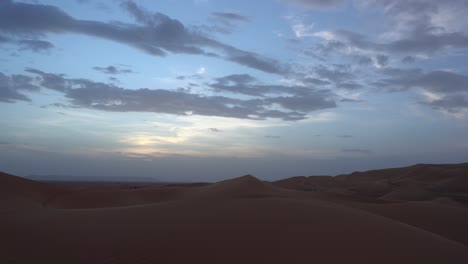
(68, 178)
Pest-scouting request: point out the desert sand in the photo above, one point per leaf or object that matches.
(417, 214)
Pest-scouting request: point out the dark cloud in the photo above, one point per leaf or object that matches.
(231, 16)
(114, 79)
(221, 22)
(382, 60)
(300, 98)
(420, 42)
(84, 93)
(349, 86)
(450, 87)
(435, 81)
(450, 103)
(156, 33)
(4, 39)
(349, 100)
(236, 79)
(11, 88)
(193, 77)
(213, 129)
(312, 4)
(428, 43)
(28, 44)
(314, 81)
(35, 45)
(337, 73)
(408, 59)
(363, 60)
(256, 61)
(112, 70)
(357, 150)
(52, 81)
(239, 83)
(312, 101)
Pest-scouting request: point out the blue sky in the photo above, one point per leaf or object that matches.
(204, 90)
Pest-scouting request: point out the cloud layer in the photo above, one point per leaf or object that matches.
(84, 93)
(155, 33)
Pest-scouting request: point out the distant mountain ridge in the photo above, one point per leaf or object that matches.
(68, 178)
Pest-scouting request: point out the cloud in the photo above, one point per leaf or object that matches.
(338, 74)
(238, 83)
(408, 59)
(434, 81)
(425, 43)
(28, 44)
(450, 103)
(11, 88)
(4, 39)
(301, 30)
(363, 60)
(357, 150)
(155, 33)
(314, 81)
(201, 70)
(222, 22)
(415, 16)
(382, 60)
(313, 4)
(299, 98)
(231, 16)
(84, 93)
(447, 90)
(419, 28)
(112, 70)
(312, 101)
(35, 45)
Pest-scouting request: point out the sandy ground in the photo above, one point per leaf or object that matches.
(243, 220)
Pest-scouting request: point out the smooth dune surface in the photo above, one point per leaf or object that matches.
(407, 215)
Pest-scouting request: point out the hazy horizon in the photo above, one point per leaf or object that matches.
(204, 90)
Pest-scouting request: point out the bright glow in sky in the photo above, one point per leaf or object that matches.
(206, 90)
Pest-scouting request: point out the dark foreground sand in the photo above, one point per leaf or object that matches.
(403, 216)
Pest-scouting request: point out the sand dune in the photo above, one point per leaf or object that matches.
(242, 220)
(417, 183)
(17, 193)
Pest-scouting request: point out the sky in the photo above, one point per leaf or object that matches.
(205, 90)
